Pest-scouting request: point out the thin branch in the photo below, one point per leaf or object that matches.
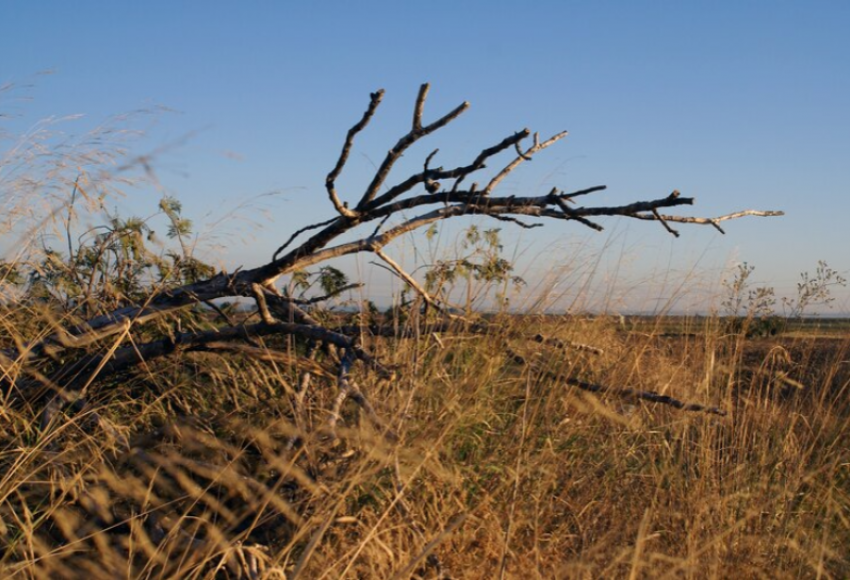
(431, 186)
(416, 133)
(291, 239)
(594, 189)
(714, 221)
(348, 390)
(344, 388)
(504, 218)
(651, 396)
(565, 344)
(380, 225)
(410, 280)
(286, 309)
(572, 213)
(489, 152)
(632, 209)
(520, 153)
(330, 181)
(420, 107)
(328, 296)
(664, 223)
(301, 393)
(264, 353)
(522, 157)
(458, 173)
(78, 374)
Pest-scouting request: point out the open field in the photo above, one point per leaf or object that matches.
(199, 468)
(152, 426)
(543, 290)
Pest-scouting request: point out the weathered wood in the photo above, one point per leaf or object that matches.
(437, 203)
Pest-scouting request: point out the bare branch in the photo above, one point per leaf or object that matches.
(520, 153)
(348, 390)
(458, 173)
(324, 297)
(437, 205)
(307, 362)
(715, 221)
(380, 225)
(77, 374)
(650, 396)
(504, 218)
(594, 189)
(280, 250)
(416, 133)
(571, 213)
(664, 223)
(411, 281)
(522, 157)
(330, 181)
(419, 107)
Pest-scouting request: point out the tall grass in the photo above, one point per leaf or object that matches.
(499, 467)
(488, 464)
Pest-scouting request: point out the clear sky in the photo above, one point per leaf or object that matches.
(739, 104)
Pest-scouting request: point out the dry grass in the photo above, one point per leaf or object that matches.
(500, 469)
(196, 467)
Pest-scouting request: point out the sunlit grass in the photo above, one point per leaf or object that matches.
(499, 466)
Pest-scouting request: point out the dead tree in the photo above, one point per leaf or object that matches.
(380, 212)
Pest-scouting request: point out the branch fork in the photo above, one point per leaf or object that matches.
(399, 202)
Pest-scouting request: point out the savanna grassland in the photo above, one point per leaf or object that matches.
(164, 418)
(195, 467)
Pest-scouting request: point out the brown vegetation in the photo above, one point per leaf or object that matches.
(497, 465)
(150, 432)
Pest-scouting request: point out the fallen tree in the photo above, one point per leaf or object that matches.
(380, 212)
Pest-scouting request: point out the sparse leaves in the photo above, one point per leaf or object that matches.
(814, 290)
(483, 262)
(331, 280)
(745, 304)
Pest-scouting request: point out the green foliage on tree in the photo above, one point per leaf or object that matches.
(482, 261)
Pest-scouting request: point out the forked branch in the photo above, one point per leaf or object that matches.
(412, 202)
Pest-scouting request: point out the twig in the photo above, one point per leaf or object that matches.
(410, 280)
(572, 213)
(594, 189)
(522, 157)
(344, 388)
(505, 218)
(664, 223)
(330, 181)
(322, 298)
(565, 344)
(280, 250)
(416, 133)
(458, 173)
(714, 221)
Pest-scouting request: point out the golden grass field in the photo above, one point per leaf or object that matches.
(484, 454)
(196, 468)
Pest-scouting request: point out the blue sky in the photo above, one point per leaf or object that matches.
(739, 104)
